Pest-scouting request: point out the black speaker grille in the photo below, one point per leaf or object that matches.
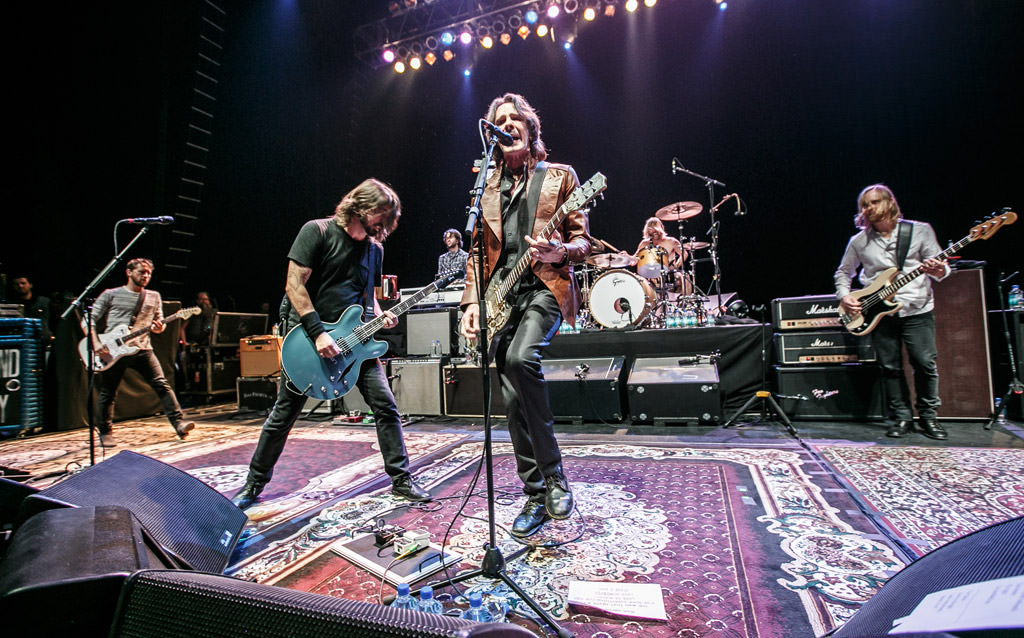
(187, 517)
(158, 603)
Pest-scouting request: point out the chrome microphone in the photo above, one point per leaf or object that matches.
(503, 138)
(163, 220)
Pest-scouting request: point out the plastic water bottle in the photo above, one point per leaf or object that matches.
(428, 603)
(404, 600)
(476, 610)
(1016, 298)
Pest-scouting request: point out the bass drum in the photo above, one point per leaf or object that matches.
(620, 299)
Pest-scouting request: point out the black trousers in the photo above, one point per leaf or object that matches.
(373, 384)
(145, 363)
(531, 425)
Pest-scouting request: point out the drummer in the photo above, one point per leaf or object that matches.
(659, 255)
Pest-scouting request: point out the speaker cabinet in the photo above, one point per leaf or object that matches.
(847, 391)
(425, 327)
(416, 384)
(257, 393)
(64, 570)
(190, 520)
(463, 391)
(211, 370)
(662, 389)
(586, 389)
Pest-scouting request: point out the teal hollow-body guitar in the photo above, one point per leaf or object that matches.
(327, 379)
(876, 300)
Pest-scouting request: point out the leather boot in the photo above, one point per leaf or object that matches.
(558, 497)
(898, 429)
(248, 495)
(532, 518)
(930, 428)
(405, 487)
(182, 429)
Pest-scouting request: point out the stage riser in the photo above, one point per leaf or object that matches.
(845, 392)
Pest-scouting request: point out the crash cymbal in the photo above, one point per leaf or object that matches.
(695, 245)
(678, 211)
(609, 260)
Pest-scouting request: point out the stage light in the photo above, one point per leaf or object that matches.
(431, 43)
(531, 16)
(466, 37)
(650, 3)
(631, 5)
(447, 38)
(570, 6)
(505, 38)
(524, 32)
(515, 21)
(589, 14)
(567, 45)
(388, 56)
(415, 63)
(430, 58)
(399, 67)
(498, 26)
(609, 10)
(487, 42)
(542, 30)
(416, 48)
(553, 10)
(467, 72)
(448, 55)
(722, 6)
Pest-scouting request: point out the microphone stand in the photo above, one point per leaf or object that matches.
(493, 564)
(710, 183)
(1016, 388)
(86, 296)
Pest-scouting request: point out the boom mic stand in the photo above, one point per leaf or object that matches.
(86, 298)
(493, 564)
(1016, 388)
(764, 394)
(710, 183)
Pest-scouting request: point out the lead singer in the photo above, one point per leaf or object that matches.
(520, 196)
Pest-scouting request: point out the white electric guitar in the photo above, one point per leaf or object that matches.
(116, 341)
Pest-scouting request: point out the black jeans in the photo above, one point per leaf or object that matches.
(531, 425)
(145, 363)
(373, 384)
(918, 333)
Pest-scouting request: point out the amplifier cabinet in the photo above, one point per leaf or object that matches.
(416, 384)
(21, 378)
(825, 346)
(812, 312)
(586, 389)
(260, 356)
(426, 327)
(211, 369)
(257, 393)
(851, 391)
(463, 391)
(661, 389)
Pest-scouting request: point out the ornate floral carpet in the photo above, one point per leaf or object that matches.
(751, 541)
(929, 496)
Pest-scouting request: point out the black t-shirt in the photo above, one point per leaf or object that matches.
(345, 271)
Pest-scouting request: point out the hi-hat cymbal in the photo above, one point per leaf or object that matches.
(609, 260)
(678, 211)
(695, 245)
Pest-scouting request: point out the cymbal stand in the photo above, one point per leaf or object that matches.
(1016, 388)
(710, 183)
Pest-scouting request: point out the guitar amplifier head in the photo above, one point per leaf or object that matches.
(812, 312)
(823, 346)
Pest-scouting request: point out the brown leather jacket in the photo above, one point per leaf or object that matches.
(559, 182)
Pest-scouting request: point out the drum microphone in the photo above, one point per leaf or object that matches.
(503, 138)
(163, 220)
(739, 209)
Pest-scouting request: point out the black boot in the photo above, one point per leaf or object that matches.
(405, 487)
(532, 518)
(558, 498)
(898, 429)
(248, 495)
(931, 429)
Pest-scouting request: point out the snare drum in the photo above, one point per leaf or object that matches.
(651, 262)
(619, 299)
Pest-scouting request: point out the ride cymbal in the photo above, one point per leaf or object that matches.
(678, 211)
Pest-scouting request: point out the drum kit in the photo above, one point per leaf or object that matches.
(660, 294)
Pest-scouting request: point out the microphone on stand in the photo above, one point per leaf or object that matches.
(163, 220)
(739, 208)
(503, 138)
(676, 166)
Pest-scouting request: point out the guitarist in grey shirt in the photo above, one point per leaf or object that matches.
(872, 251)
(133, 306)
(335, 262)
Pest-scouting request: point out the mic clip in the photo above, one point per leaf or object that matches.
(581, 371)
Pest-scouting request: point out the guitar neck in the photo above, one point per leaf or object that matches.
(903, 280)
(375, 324)
(524, 261)
(142, 331)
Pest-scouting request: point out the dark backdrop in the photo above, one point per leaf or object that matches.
(795, 105)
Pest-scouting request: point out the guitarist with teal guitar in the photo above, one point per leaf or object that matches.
(334, 270)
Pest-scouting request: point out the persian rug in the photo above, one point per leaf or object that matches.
(929, 496)
(744, 541)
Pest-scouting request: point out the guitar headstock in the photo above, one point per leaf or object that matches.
(989, 227)
(446, 278)
(588, 191)
(185, 313)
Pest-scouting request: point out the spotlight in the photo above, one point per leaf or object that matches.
(467, 72)
(609, 10)
(466, 37)
(515, 21)
(542, 30)
(650, 3)
(399, 67)
(487, 42)
(567, 45)
(505, 38)
(415, 63)
(430, 58)
(570, 6)
(448, 55)
(431, 43)
(723, 5)
(631, 5)
(531, 16)
(498, 26)
(589, 14)
(416, 48)
(447, 38)
(388, 56)
(524, 32)
(553, 10)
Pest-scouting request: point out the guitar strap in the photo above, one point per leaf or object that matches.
(533, 196)
(138, 307)
(904, 233)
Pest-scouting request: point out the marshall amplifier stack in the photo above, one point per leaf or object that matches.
(823, 372)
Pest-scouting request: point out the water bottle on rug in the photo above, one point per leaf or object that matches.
(428, 603)
(404, 600)
(476, 609)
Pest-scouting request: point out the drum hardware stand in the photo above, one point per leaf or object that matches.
(1016, 388)
(710, 183)
(764, 394)
(493, 564)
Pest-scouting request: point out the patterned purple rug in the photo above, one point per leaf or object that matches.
(751, 541)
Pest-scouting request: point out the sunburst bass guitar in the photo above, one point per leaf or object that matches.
(876, 300)
(496, 297)
(327, 379)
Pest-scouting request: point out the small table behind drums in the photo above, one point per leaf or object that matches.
(619, 299)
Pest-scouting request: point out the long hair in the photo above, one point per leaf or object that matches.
(892, 209)
(368, 198)
(653, 222)
(538, 151)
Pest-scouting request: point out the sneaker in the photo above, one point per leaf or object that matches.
(107, 440)
(183, 429)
